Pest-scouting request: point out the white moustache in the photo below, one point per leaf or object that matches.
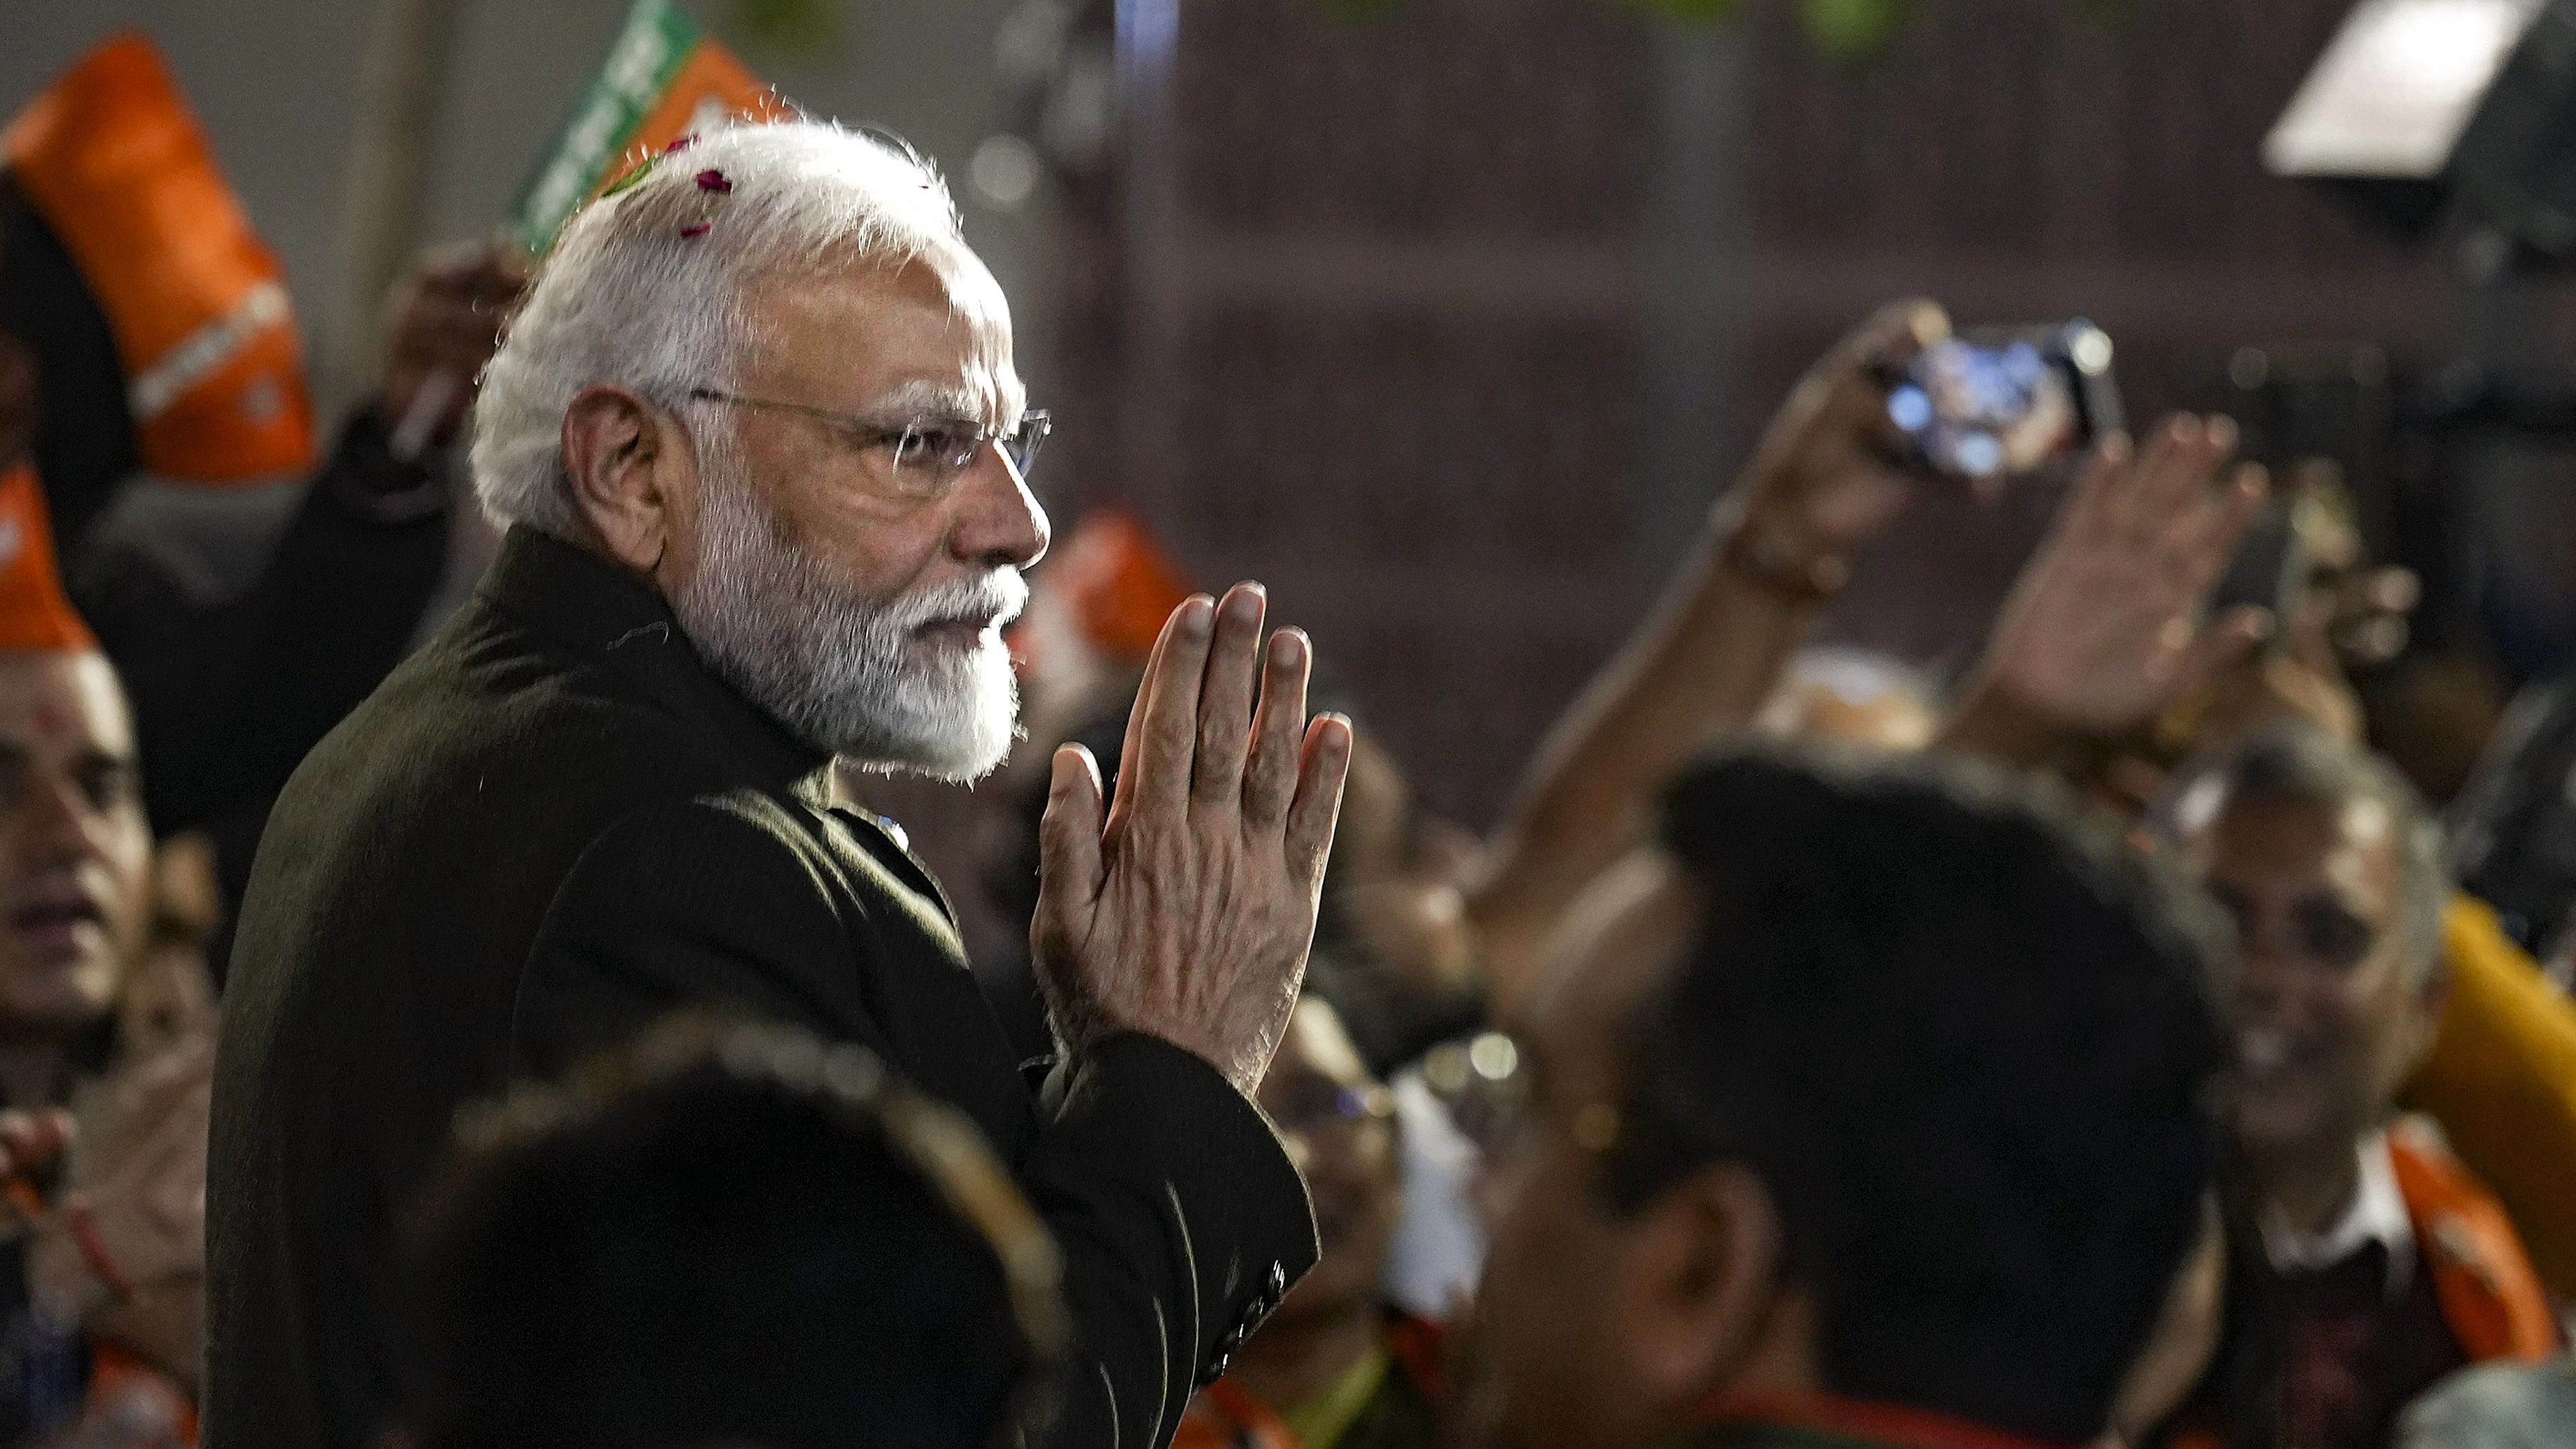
(991, 601)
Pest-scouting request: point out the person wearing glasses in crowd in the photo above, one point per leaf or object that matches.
(1336, 1367)
(761, 450)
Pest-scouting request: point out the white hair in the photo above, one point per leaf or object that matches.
(646, 288)
(841, 668)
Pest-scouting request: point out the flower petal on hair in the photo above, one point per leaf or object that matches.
(697, 229)
(713, 180)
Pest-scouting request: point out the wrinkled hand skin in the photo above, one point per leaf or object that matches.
(1185, 909)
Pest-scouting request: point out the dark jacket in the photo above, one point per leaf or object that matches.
(230, 693)
(548, 827)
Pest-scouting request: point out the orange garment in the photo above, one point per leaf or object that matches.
(1122, 584)
(34, 613)
(2489, 1294)
(2501, 1081)
(113, 161)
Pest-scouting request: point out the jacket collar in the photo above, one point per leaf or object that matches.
(1820, 1421)
(607, 617)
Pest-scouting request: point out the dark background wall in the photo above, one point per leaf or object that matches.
(1449, 321)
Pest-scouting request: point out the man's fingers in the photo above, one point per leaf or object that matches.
(1069, 833)
(1325, 763)
(2225, 642)
(1270, 781)
(1891, 336)
(2211, 545)
(1154, 763)
(2104, 474)
(1867, 362)
(1225, 697)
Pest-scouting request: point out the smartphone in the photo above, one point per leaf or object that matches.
(1996, 401)
(2270, 570)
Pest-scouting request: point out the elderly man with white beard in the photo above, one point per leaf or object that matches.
(758, 443)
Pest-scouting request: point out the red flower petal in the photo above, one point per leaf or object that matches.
(699, 229)
(714, 180)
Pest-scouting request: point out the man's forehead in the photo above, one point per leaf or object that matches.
(927, 332)
(62, 700)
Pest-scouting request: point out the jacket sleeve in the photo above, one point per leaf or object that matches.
(1180, 1219)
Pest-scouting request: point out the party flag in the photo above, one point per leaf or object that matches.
(116, 173)
(663, 79)
(1121, 583)
(34, 614)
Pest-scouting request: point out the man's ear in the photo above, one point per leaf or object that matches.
(628, 465)
(1705, 1272)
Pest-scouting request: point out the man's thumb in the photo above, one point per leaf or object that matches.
(1069, 835)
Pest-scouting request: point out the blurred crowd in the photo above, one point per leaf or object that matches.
(2104, 1046)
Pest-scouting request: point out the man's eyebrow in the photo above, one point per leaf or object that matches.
(924, 397)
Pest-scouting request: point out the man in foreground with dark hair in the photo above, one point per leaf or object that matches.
(1873, 1107)
(730, 1233)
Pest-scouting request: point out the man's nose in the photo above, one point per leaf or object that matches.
(998, 520)
(2271, 982)
(54, 823)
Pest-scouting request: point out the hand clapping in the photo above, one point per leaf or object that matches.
(1186, 911)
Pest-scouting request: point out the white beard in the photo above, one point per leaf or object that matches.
(842, 670)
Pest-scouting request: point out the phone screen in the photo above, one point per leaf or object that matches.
(1980, 410)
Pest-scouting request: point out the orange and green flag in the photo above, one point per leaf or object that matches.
(664, 78)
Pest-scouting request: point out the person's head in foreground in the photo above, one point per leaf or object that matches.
(770, 378)
(729, 1234)
(2332, 870)
(1880, 1097)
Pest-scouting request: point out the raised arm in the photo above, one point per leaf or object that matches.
(2105, 626)
(1826, 478)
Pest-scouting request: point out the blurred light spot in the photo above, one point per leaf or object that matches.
(1005, 171)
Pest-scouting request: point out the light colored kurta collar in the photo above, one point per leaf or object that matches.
(2377, 1215)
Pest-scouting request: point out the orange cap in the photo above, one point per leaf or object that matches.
(1121, 584)
(114, 162)
(34, 614)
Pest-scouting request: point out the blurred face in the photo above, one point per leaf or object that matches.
(1340, 1128)
(75, 853)
(1572, 1338)
(814, 571)
(2326, 1018)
